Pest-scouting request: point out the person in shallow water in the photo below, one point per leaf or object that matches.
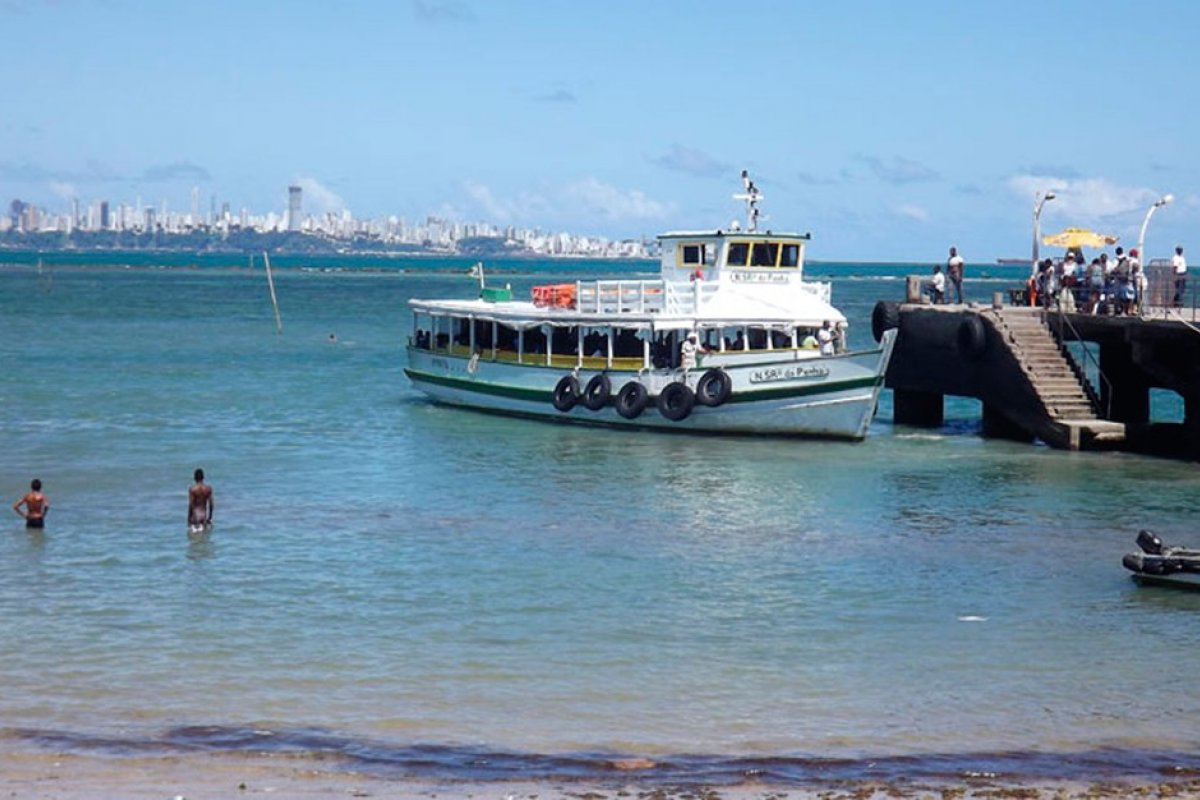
(36, 505)
(200, 502)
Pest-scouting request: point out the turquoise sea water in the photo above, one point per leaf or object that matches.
(411, 586)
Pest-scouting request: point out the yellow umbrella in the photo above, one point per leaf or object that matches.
(1075, 238)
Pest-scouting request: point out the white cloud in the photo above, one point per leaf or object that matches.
(525, 207)
(693, 162)
(318, 198)
(491, 207)
(614, 204)
(1085, 200)
(912, 211)
(569, 206)
(63, 190)
(899, 170)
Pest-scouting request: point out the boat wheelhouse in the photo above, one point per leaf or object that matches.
(729, 338)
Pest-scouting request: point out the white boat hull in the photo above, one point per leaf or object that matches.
(790, 394)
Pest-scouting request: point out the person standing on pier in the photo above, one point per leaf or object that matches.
(954, 271)
(1179, 267)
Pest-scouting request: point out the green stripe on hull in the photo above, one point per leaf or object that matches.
(544, 396)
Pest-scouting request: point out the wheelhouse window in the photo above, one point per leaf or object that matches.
(764, 254)
(789, 255)
(692, 256)
(738, 252)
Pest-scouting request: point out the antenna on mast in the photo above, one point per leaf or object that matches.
(751, 197)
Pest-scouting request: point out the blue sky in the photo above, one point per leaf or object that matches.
(890, 130)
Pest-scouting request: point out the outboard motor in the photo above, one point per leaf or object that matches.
(1149, 543)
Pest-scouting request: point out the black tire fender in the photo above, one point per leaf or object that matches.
(884, 317)
(676, 401)
(972, 337)
(597, 392)
(566, 393)
(632, 400)
(714, 388)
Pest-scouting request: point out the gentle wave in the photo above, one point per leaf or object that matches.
(477, 763)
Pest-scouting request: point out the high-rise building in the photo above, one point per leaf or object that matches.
(293, 220)
(105, 222)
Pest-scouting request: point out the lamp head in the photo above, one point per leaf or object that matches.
(1050, 195)
(1165, 199)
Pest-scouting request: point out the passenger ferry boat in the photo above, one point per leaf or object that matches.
(620, 352)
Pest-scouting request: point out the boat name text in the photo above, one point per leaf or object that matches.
(758, 277)
(772, 374)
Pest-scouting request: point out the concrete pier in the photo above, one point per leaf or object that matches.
(1014, 359)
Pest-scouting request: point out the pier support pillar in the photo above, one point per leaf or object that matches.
(1127, 390)
(998, 426)
(925, 409)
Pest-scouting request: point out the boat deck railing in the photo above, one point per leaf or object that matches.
(641, 297)
(620, 297)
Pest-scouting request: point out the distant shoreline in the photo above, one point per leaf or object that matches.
(141, 257)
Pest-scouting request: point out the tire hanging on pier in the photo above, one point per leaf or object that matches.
(714, 388)
(884, 317)
(596, 393)
(632, 400)
(972, 337)
(676, 401)
(566, 393)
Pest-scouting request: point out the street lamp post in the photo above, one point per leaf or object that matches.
(1159, 203)
(1041, 200)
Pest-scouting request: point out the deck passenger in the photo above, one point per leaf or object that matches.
(36, 506)
(689, 352)
(825, 338)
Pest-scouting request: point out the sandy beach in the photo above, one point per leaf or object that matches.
(54, 776)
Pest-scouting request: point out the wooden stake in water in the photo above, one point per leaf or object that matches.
(271, 286)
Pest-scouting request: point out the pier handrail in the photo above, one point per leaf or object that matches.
(1063, 320)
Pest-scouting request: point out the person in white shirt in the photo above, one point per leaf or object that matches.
(935, 287)
(954, 271)
(688, 352)
(1179, 267)
(825, 338)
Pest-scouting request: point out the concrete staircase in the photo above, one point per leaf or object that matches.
(1054, 377)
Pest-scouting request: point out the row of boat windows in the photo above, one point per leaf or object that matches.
(741, 254)
(449, 334)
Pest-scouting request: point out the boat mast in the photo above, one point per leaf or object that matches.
(751, 196)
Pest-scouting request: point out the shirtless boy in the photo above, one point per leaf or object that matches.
(200, 502)
(36, 505)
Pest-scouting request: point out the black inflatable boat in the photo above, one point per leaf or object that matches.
(1160, 565)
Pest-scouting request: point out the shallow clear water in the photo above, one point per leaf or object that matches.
(404, 574)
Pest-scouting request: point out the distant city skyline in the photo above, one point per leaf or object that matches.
(432, 233)
(890, 131)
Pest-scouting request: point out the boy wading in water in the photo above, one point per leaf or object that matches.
(36, 505)
(200, 503)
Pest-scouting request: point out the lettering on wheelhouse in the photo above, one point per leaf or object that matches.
(758, 277)
(776, 374)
